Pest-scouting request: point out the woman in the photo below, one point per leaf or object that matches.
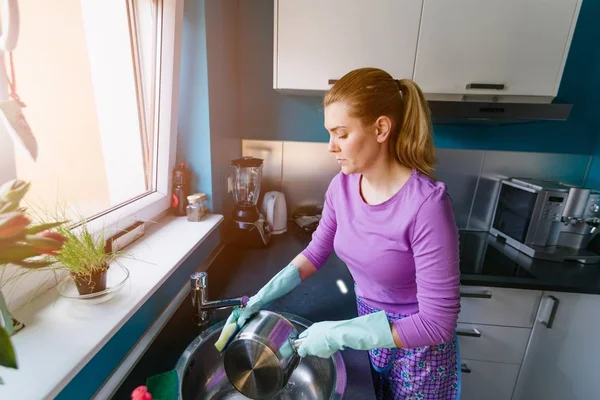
(394, 227)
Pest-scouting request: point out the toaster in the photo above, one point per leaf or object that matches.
(274, 209)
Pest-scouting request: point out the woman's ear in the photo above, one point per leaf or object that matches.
(383, 128)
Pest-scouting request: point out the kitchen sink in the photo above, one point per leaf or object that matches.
(202, 375)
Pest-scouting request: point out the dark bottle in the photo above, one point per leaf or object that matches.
(181, 189)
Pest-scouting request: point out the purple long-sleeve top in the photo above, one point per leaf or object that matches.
(402, 253)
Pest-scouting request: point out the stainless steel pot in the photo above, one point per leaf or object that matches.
(262, 356)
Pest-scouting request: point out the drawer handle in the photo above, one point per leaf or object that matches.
(549, 310)
(472, 333)
(332, 81)
(488, 86)
(484, 294)
(464, 368)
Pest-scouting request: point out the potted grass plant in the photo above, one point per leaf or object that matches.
(86, 257)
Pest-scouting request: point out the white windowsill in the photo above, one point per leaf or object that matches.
(61, 336)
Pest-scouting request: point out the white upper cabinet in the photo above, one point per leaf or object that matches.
(504, 47)
(321, 40)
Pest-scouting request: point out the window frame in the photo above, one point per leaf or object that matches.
(151, 205)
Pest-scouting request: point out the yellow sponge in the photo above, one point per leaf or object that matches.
(228, 331)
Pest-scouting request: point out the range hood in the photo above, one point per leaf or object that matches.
(495, 113)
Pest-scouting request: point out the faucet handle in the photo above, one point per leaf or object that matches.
(244, 300)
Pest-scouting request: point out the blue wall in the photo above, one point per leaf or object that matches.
(266, 114)
(208, 114)
(223, 95)
(194, 141)
(588, 62)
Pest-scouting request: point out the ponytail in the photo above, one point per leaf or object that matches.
(413, 144)
(371, 93)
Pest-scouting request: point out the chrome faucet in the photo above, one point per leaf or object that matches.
(202, 306)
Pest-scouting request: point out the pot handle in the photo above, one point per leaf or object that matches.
(297, 343)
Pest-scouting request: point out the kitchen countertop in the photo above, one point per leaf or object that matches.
(236, 272)
(486, 262)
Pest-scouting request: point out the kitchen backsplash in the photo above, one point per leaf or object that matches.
(302, 171)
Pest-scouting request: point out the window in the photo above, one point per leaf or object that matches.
(99, 80)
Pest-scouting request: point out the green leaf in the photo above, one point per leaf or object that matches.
(7, 352)
(43, 243)
(33, 264)
(14, 191)
(7, 206)
(43, 227)
(10, 241)
(17, 252)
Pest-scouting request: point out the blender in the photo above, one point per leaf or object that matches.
(250, 225)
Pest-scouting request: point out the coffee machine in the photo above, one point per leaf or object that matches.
(250, 226)
(580, 218)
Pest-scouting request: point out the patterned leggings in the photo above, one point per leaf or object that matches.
(423, 373)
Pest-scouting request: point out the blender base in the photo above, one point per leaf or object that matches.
(251, 234)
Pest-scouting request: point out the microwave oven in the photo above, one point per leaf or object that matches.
(546, 219)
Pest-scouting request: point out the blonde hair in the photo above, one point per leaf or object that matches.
(371, 93)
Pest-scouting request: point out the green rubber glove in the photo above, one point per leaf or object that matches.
(281, 284)
(323, 339)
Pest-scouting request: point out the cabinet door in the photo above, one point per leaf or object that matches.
(521, 44)
(317, 40)
(562, 359)
(487, 380)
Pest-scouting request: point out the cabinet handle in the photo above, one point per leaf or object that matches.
(488, 86)
(472, 333)
(484, 294)
(464, 368)
(332, 81)
(550, 311)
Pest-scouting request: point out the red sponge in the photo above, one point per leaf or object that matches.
(141, 393)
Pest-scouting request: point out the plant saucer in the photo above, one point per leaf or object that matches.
(116, 278)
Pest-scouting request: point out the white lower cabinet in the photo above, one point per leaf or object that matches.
(492, 343)
(563, 357)
(486, 380)
(494, 327)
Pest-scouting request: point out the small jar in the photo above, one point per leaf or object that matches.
(197, 208)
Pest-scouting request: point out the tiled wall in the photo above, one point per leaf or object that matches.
(302, 171)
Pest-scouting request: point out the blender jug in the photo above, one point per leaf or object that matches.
(247, 173)
(248, 221)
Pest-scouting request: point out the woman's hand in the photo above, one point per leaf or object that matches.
(281, 284)
(315, 341)
(323, 339)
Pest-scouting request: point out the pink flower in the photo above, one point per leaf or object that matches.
(141, 393)
(45, 242)
(13, 224)
(53, 243)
